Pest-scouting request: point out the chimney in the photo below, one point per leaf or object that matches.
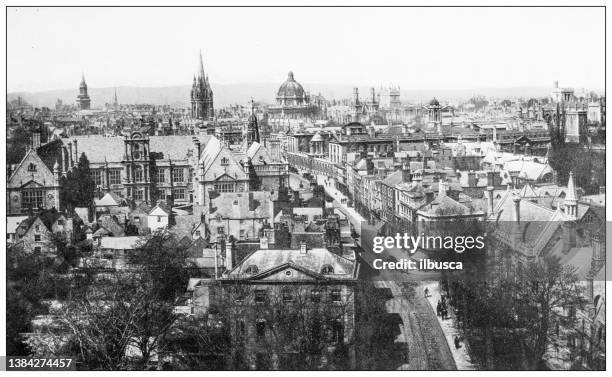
(303, 248)
(406, 176)
(198, 147)
(517, 208)
(492, 178)
(369, 166)
(442, 188)
(490, 207)
(35, 140)
(263, 243)
(229, 255)
(471, 178)
(599, 251)
(569, 235)
(429, 195)
(76, 152)
(71, 164)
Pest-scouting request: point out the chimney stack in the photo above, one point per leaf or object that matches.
(490, 206)
(517, 208)
(229, 255)
(35, 140)
(406, 175)
(71, 160)
(471, 178)
(303, 248)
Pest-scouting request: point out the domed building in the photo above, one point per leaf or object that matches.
(293, 102)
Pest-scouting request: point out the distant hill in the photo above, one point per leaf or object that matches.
(226, 94)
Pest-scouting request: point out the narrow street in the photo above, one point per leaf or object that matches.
(450, 329)
(427, 347)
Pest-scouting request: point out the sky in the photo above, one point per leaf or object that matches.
(415, 48)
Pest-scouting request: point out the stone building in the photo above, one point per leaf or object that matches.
(33, 185)
(292, 102)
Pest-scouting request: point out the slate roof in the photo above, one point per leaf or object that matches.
(99, 147)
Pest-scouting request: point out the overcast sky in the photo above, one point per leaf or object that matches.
(416, 48)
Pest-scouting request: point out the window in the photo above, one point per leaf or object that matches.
(37, 249)
(315, 295)
(337, 332)
(114, 176)
(327, 270)
(225, 187)
(242, 234)
(161, 194)
(251, 270)
(179, 194)
(260, 328)
(178, 175)
(31, 167)
(220, 230)
(335, 295)
(197, 233)
(96, 176)
(138, 194)
(161, 175)
(225, 161)
(32, 198)
(138, 174)
(37, 238)
(287, 295)
(159, 219)
(60, 222)
(260, 296)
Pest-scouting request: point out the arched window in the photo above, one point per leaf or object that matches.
(251, 270)
(327, 270)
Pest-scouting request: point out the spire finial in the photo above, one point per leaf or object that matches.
(202, 75)
(571, 188)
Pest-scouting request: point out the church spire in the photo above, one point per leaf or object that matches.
(202, 75)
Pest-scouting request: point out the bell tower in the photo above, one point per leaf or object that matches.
(136, 160)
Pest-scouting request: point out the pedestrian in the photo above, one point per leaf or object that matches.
(457, 342)
(439, 308)
(426, 292)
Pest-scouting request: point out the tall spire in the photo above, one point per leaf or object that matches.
(202, 75)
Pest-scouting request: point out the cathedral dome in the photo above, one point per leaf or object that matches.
(290, 89)
(434, 102)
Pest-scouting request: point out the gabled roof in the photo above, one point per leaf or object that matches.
(110, 199)
(161, 209)
(311, 262)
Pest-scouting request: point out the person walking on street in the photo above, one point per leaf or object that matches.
(457, 342)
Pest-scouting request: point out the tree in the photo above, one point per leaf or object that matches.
(78, 186)
(122, 319)
(519, 304)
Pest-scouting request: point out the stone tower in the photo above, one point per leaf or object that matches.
(253, 128)
(137, 162)
(83, 101)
